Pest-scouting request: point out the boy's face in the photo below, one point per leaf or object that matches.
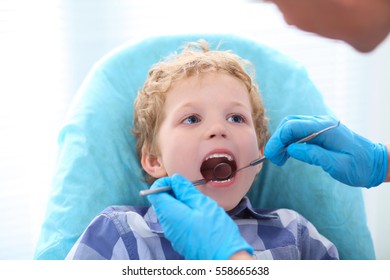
(207, 116)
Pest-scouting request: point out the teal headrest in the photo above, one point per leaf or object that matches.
(97, 165)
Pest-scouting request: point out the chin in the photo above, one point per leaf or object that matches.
(226, 197)
(227, 205)
(228, 208)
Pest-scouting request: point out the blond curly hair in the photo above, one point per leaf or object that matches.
(195, 59)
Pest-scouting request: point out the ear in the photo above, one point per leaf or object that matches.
(261, 154)
(152, 164)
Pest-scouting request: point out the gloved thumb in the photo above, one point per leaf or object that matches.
(163, 199)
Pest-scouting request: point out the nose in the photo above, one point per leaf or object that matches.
(216, 130)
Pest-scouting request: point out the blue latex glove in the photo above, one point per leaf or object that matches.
(196, 225)
(346, 156)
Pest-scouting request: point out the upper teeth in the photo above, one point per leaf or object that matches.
(229, 157)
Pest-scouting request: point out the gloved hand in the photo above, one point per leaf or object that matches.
(196, 225)
(346, 156)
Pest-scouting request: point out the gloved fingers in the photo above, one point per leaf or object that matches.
(164, 201)
(292, 129)
(275, 151)
(186, 192)
(298, 127)
(160, 199)
(168, 209)
(161, 182)
(275, 148)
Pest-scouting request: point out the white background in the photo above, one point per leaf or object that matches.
(48, 47)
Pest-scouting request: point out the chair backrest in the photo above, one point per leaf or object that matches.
(97, 164)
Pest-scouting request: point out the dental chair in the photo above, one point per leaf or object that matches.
(97, 164)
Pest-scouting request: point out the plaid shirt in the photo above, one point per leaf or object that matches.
(127, 232)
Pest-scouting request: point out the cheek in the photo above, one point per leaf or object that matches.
(251, 152)
(252, 145)
(177, 155)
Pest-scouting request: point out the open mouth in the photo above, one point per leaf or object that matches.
(218, 167)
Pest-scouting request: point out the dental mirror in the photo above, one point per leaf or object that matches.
(221, 171)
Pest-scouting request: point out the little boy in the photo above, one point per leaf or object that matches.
(198, 109)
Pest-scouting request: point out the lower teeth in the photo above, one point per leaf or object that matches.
(222, 181)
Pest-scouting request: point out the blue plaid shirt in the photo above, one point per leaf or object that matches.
(127, 232)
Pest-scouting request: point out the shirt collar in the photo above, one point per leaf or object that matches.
(243, 210)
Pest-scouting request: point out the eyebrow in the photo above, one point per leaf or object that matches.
(233, 104)
(240, 104)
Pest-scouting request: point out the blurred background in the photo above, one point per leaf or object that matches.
(48, 46)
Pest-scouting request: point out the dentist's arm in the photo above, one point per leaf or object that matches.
(345, 155)
(197, 227)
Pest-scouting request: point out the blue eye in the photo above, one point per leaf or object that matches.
(236, 119)
(191, 120)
